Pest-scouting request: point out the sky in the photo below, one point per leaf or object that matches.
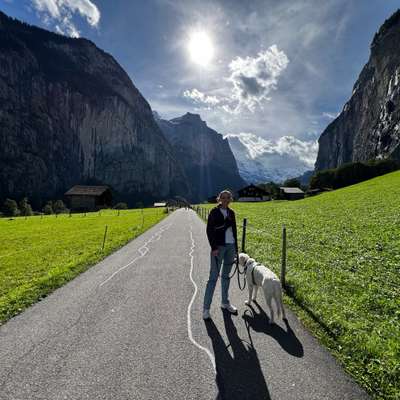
(267, 69)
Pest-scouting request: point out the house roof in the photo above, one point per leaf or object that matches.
(87, 190)
(291, 189)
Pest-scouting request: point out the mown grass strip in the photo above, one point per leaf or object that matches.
(38, 255)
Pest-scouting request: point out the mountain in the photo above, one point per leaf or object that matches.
(205, 155)
(369, 125)
(260, 160)
(69, 114)
(305, 178)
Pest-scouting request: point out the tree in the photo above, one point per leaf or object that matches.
(10, 208)
(48, 208)
(59, 207)
(292, 182)
(25, 207)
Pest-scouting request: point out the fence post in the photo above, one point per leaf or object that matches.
(283, 267)
(244, 234)
(104, 239)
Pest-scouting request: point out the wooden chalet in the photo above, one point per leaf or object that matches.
(253, 193)
(88, 198)
(291, 193)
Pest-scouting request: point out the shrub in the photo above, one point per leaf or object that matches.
(121, 206)
(10, 208)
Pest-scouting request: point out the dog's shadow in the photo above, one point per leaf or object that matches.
(259, 322)
(239, 375)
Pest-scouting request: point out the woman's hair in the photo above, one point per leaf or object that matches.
(226, 191)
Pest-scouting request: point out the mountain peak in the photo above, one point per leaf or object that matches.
(190, 118)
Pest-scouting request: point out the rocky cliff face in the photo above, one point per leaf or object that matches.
(69, 114)
(206, 156)
(369, 124)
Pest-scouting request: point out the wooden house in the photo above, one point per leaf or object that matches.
(291, 193)
(253, 193)
(88, 198)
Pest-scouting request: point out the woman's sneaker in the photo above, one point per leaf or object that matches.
(206, 314)
(229, 307)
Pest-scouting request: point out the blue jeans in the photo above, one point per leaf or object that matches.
(226, 254)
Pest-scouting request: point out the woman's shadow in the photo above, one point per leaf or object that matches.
(239, 375)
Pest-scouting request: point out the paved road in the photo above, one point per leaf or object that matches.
(131, 328)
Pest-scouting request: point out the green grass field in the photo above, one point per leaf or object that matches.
(344, 264)
(38, 254)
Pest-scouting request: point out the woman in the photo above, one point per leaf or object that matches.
(222, 236)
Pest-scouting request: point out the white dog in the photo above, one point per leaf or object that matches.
(258, 275)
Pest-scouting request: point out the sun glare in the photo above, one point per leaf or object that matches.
(201, 49)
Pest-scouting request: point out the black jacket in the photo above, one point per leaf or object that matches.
(217, 225)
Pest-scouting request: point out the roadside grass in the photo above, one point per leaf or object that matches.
(39, 254)
(344, 267)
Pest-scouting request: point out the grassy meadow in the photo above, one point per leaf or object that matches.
(39, 254)
(344, 265)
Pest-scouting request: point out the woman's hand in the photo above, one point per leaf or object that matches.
(214, 252)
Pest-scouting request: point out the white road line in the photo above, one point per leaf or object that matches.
(143, 250)
(189, 322)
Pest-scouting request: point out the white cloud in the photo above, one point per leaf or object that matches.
(62, 11)
(330, 115)
(199, 97)
(253, 78)
(305, 151)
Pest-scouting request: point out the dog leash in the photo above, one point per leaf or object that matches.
(236, 270)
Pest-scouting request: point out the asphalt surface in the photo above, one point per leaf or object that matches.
(131, 328)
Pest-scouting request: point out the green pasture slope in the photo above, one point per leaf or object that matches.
(344, 265)
(38, 254)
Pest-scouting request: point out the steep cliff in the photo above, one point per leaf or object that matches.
(369, 124)
(205, 155)
(69, 114)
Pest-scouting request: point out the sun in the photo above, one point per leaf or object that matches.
(200, 48)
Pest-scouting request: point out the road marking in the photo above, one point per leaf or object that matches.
(189, 322)
(143, 250)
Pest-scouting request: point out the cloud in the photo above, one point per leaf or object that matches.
(253, 78)
(199, 97)
(62, 11)
(330, 115)
(305, 151)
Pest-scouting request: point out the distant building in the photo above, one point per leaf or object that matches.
(253, 193)
(88, 198)
(160, 204)
(291, 193)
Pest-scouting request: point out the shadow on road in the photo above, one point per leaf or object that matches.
(259, 322)
(239, 375)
